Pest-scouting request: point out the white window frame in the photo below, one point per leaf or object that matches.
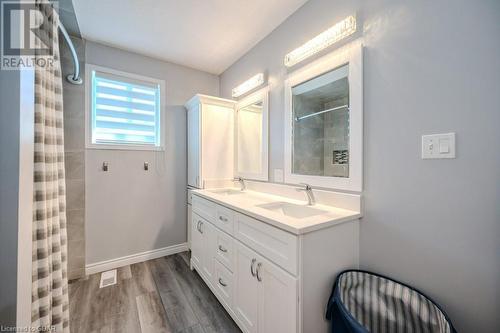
(260, 95)
(351, 54)
(89, 68)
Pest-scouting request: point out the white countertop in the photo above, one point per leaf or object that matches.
(246, 202)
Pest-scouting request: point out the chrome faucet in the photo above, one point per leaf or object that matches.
(241, 181)
(309, 192)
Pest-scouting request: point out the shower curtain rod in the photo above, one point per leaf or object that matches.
(320, 112)
(75, 77)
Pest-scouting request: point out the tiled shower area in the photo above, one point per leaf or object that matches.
(74, 153)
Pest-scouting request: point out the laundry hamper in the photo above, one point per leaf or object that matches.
(363, 302)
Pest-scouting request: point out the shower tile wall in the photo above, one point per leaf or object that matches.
(308, 138)
(74, 148)
(316, 138)
(336, 129)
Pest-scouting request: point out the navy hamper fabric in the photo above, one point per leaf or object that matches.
(363, 302)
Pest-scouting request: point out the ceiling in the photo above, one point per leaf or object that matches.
(208, 35)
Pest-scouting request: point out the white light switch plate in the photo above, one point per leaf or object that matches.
(438, 146)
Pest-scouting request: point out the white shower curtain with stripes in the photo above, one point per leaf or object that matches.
(50, 308)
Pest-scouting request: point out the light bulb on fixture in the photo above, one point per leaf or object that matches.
(248, 85)
(339, 31)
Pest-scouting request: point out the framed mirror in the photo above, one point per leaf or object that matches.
(252, 136)
(324, 122)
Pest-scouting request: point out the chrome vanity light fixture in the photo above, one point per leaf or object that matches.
(339, 31)
(248, 85)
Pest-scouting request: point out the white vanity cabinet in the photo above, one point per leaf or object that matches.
(210, 127)
(246, 292)
(203, 246)
(265, 296)
(197, 241)
(268, 279)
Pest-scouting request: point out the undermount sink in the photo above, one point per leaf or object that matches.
(292, 210)
(227, 191)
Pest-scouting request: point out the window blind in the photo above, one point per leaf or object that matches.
(125, 111)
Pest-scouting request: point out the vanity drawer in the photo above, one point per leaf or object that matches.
(224, 218)
(277, 245)
(223, 284)
(225, 250)
(204, 208)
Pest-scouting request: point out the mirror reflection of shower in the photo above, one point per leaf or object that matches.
(321, 125)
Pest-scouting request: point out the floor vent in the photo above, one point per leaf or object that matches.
(108, 278)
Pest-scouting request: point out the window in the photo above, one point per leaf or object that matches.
(124, 110)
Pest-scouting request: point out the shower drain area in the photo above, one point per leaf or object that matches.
(108, 278)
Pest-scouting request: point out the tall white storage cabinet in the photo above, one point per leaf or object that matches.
(210, 122)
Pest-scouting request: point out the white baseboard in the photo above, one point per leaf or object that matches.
(134, 258)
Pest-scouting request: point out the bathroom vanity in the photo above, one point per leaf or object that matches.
(269, 257)
(271, 260)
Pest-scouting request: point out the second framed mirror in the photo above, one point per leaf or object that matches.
(252, 136)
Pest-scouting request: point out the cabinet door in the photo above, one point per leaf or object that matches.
(194, 147)
(246, 289)
(209, 250)
(196, 241)
(217, 141)
(278, 301)
(189, 220)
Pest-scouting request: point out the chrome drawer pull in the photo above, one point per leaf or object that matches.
(223, 219)
(222, 283)
(251, 267)
(259, 265)
(201, 227)
(222, 249)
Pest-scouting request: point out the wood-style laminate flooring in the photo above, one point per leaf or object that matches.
(160, 295)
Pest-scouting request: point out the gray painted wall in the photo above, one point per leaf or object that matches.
(9, 193)
(16, 195)
(128, 210)
(429, 67)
